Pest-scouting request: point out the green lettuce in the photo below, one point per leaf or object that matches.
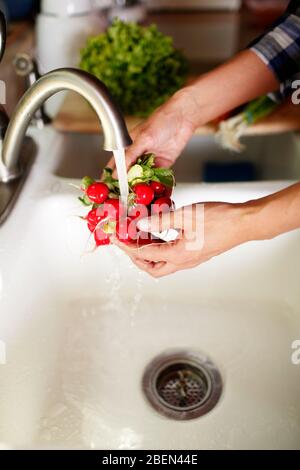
(138, 64)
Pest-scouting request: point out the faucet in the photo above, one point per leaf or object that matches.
(116, 136)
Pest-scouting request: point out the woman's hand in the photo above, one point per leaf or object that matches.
(169, 128)
(209, 229)
(205, 231)
(166, 132)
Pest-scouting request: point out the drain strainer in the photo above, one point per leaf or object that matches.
(182, 384)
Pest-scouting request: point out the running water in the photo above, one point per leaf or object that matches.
(119, 156)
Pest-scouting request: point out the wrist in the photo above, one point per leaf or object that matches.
(186, 101)
(257, 223)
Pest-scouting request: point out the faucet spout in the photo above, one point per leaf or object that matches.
(116, 135)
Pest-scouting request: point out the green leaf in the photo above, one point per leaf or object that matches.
(165, 176)
(111, 186)
(148, 173)
(106, 175)
(136, 171)
(136, 181)
(163, 172)
(113, 195)
(131, 199)
(148, 160)
(85, 200)
(167, 180)
(155, 178)
(86, 182)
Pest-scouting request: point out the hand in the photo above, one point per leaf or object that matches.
(165, 133)
(206, 230)
(169, 128)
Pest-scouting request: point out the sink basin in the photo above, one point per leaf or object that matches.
(80, 327)
(274, 157)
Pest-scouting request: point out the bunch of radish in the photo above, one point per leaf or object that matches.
(150, 191)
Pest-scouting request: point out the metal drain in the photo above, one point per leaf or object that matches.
(182, 384)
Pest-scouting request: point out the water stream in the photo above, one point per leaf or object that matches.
(119, 156)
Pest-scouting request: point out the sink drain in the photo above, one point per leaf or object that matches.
(182, 384)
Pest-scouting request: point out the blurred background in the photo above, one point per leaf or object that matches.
(207, 32)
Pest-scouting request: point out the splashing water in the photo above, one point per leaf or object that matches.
(119, 156)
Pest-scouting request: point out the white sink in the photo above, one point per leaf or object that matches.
(80, 329)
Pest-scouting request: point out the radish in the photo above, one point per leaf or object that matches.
(161, 205)
(157, 187)
(126, 230)
(144, 193)
(101, 238)
(97, 192)
(150, 190)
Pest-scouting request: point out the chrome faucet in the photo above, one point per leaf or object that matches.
(116, 136)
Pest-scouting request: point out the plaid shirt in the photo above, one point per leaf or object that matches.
(279, 48)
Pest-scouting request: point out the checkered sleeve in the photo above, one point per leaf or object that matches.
(279, 47)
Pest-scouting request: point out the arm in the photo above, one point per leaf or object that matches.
(238, 81)
(170, 127)
(219, 228)
(269, 65)
(276, 214)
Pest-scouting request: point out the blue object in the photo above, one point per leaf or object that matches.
(18, 10)
(215, 172)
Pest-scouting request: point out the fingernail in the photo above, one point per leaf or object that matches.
(143, 225)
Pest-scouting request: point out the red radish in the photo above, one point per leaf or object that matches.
(168, 191)
(144, 237)
(93, 219)
(144, 193)
(138, 211)
(97, 192)
(126, 230)
(157, 187)
(112, 209)
(144, 240)
(101, 238)
(161, 205)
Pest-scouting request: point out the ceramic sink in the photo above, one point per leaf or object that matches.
(79, 327)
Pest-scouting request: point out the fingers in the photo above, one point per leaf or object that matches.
(148, 267)
(135, 150)
(156, 270)
(161, 222)
(162, 269)
(145, 265)
(162, 162)
(154, 252)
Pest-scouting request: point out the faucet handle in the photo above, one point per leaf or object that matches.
(2, 35)
(25, 66)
